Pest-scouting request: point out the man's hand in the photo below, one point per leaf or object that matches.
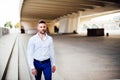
(53, 69)
(34, 72)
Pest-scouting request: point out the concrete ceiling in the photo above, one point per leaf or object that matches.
(52, 9)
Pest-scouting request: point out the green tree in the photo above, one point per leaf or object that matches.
(17, 25)
(8, 24)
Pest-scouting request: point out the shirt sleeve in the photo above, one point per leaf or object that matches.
(52, 58)
(30, 50)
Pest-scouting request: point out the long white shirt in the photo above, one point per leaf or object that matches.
(40, 49)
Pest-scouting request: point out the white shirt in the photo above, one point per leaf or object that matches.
(40, 49)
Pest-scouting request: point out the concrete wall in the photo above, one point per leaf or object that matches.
(52, 24)
(29, 25)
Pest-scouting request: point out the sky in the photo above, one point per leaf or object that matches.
(9, 11)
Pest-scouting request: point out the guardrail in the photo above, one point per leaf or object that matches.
(4, 31)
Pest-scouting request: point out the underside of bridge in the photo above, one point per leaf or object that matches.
(52, 9)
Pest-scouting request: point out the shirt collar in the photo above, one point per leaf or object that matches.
(45, 36)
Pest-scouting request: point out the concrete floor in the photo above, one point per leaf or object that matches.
(87, 58)
(77, 57)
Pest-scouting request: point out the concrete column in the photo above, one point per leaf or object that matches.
(72, 22)
(63, 25)
(78, 25)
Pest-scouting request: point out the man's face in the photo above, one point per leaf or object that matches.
(42, 28)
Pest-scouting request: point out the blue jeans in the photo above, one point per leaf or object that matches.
(45, 67)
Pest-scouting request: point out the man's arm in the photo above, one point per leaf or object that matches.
(30, 50)
(52, 57)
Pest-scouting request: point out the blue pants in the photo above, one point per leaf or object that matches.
(45, 67)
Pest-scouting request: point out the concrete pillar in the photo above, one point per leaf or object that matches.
(78, 24)
(63, 25)
(72, 22)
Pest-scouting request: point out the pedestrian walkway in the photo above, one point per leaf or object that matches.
(7, 43)
(77, 57)
(13, 60)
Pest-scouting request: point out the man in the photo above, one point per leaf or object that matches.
(41, 53)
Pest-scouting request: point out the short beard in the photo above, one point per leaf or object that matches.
(42, 32)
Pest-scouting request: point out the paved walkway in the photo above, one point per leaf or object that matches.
(77, 57)
(7, 43)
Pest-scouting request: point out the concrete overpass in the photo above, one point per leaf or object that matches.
(66, 15)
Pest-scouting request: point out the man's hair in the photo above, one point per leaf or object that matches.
(42, 22)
